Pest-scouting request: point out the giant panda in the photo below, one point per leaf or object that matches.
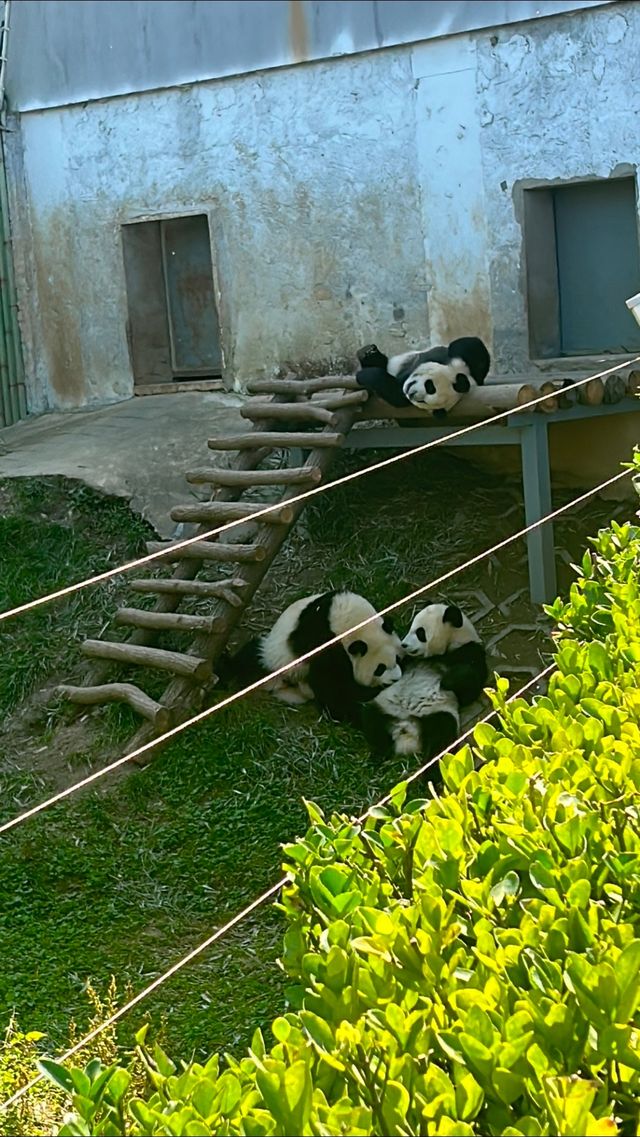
(443, 635)
(446, 669)
(339, 678)
(433, 380)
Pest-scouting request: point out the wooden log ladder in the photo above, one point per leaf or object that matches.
(290, 420)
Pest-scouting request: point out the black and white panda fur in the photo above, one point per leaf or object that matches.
(339, 678)
(433, 380)
(446, 669)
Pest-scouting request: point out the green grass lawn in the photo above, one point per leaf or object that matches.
(124, 880)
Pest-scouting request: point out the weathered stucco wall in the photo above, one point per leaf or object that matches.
(374, 197)
(308, 177)
(557, 101)
(70, 51)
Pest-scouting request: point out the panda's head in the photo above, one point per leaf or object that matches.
(437, 629)
(431, 380)
(375, 652)
(437, 386)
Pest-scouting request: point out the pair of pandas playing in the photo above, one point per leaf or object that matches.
(405, 695)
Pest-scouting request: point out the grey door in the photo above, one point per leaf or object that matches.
(194, 329)
(598, 265)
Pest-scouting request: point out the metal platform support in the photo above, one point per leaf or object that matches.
(530, 432)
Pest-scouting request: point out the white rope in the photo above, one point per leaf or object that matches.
(304, 496)
(257, 903)
(226, 702)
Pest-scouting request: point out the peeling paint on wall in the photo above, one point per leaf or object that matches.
(314, 245)
(549, 118)
(367, 198)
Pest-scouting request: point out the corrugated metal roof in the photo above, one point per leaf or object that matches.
(69, 51)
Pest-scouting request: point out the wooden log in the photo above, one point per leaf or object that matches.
(587, 394)
(166, 621)
(526, 394)
(224, 589)
(551, 404)
(291, 476)
(187, 666)
(120, 693)
(287, 412)
(212, 511)
(279, 441)
(615, 388)
(339, 402)
(303, 386)
(591, 394)
(209, 551)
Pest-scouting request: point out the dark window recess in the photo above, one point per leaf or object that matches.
(173, 326)
(582, 261)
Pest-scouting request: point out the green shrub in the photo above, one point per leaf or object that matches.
(36, 1113)
(468, 964)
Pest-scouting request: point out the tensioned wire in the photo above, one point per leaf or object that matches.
(305, 495)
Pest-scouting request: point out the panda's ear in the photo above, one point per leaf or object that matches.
(453, 616)
(387, 625)
(358, 647)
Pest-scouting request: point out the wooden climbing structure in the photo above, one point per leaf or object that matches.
(288, 416)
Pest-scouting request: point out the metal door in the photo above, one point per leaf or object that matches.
(598, 265)
(194, 329)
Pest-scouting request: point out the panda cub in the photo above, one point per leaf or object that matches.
(419, 714)
(339, 678)
(433, 380)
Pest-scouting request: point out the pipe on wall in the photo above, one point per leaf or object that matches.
(13, 404)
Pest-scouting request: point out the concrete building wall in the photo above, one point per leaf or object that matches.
(308, 178)
(371, 197)
(70, 51)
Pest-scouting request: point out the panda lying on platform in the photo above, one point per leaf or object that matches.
(433, 380)
(339, 678)
(419, 714)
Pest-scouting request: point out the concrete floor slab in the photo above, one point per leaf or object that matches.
(139, 449)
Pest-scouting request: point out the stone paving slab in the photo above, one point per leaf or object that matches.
(139, 449)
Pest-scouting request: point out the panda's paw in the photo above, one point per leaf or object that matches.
(291, 695)
(440, 413)
(371, 356)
